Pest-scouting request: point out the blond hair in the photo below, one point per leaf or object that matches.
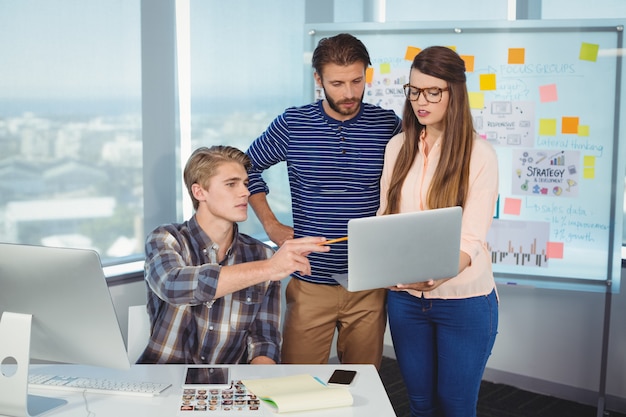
(203, 164)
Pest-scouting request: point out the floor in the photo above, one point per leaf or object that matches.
(495, 400)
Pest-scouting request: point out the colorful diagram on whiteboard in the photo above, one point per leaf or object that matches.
(505, 123)
(545, 172)
(519, 243)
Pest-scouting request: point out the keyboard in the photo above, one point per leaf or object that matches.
(96, 385)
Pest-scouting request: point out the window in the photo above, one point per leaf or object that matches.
(70, 125)
(246, 68)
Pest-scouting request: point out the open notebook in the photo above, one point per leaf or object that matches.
(402, 248)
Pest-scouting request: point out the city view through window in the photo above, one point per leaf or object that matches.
(70, 115)
(71, 177)
(70, 125)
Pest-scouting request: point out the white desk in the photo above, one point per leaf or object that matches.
(370, 398)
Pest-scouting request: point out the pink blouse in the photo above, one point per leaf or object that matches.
(477, 279)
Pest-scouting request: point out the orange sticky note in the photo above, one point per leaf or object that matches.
(547, 93)
(469, 62)
(512, 206)
(369, 75)
(411, 52)
(554, 250)
(569, 125)
(487, 81)
(516, 55)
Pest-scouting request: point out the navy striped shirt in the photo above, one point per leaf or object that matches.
(334, 172)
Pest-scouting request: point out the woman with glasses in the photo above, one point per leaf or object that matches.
(443, 330)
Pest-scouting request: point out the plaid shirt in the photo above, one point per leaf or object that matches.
(187, 324)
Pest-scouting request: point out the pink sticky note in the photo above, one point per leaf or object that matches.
(512, 206)
(547, 93)
(554, 250)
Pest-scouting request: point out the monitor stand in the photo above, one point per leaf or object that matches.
(15, 330)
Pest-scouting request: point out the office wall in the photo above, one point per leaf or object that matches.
(125, 293)
(550, 341)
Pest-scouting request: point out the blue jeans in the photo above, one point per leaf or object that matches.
(442, 347)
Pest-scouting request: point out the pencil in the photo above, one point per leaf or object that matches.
(331, 241)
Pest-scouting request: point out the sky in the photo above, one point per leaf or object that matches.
(69, 48)
(92, 48)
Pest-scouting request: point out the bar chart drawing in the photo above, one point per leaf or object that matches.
(522, 244)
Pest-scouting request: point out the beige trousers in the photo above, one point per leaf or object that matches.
(313, 313)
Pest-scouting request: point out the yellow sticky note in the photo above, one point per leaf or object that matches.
(452, 47)
(589, 52)
(589, 161)
(547, 127)
(411, 52)
(369, 75)
(589, 173)
(583, 130)
(469, 62)
(477, 100)
(487, 81)
(385, 68)
(516, 55)
(569, 125)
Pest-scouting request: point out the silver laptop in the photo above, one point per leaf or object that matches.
(402, 248)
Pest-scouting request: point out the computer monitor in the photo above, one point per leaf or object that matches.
(56, 307)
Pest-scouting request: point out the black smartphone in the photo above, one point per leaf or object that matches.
(341, 377)
(211, 376)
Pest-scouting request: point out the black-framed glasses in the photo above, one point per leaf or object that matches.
(431, 94)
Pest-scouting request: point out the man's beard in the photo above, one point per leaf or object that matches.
(335, 105)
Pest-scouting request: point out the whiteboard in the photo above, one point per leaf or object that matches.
(547, 95)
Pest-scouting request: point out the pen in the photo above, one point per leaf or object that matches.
(319, 380)
(331, 241)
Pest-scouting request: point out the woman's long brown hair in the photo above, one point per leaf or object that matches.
(450, 182)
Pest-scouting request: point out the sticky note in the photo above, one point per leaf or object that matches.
(547, 93)
(469, 62)
(583, 130)
(554, 250)
(589, 52)
(385, 68)
(411, 52)
(369, 75)
(589, 161)
(589, 173)
(547, 127)
(487, 81)
(569, 125)
(477, 100)
(516, 55)
(512, 206)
